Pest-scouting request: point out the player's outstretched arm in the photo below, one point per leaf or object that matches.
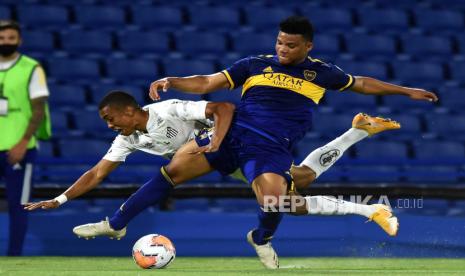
(198, 84)
(85, 183)
(366, 85)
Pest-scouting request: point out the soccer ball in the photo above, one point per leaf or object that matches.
(153, 251)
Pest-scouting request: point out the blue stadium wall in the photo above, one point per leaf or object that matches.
(199, 233)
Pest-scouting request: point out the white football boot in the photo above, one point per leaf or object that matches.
(103, 228)
(265, 253)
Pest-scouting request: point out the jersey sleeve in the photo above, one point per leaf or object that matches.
(238, 73)
(335, 78)
(38, 84)
(187, 110)
(119, 150)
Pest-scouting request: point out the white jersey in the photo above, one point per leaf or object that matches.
(171, 124)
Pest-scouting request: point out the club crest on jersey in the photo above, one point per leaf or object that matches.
(268, 72)
(309, 75)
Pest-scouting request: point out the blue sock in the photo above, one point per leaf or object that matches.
(268, 223)
(149, 194)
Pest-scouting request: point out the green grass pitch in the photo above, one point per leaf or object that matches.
(230, 266)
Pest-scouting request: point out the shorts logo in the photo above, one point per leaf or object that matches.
(329, 157)
(309, 75)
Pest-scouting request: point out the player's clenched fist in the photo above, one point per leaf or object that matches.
(161, 84)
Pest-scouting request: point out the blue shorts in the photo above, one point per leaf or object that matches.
(251, 152)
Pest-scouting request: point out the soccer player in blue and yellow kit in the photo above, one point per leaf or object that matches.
(278, 95)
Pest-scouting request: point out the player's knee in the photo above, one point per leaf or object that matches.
(174, 173)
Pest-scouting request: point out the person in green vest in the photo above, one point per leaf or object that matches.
(24, 119)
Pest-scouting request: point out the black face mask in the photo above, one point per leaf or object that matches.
(7, 50)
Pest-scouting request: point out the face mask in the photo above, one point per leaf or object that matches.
(7, 50)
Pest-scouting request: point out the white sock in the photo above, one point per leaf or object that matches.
(324, 157)
(328, 205)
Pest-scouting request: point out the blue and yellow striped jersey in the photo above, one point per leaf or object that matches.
(278, 99)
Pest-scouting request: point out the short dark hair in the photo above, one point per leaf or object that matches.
(117, 98)
(10, 24)
(297, 25)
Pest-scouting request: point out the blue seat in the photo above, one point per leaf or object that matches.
(447, 126)
(373, 174)
(421, 46)
(98, 91)
(95, 42)
(444, 21)
(252, 43)
(331, 125)
(43, 16)
(140, 42)
(453, 98)
(101, 17)
(46, 149)
(63, 174)
(218, 17)
(91, 123)
(132, 70)
(74, 70)
(167, 17)
(373, 69)
(84, 149)
(5, 12)
(326, 45)
(386, 19)
(329, 19)
(381, 151)
(37, 41)
(183, 67)
(432, 174)
(233, 96)
(460, 39)
(67, 95)
(381, 47)
(439, 151)
(333, 175)
(305, 147)
(174, 94)
(418, 73)
(405, 104)
(59, 120)
(457, 71)
(345, 100)
(194, 43)
(261, 18)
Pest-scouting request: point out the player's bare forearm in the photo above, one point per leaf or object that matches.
(198, 84)
(370, 86)
(222, 114)
(38, 113)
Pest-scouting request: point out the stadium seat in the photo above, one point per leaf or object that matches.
(326, 45)
(344, 100)
(233, 96)
(46, 150)
(219, 17)
(443, 21)
(252, 43)
(411, 128)
(98, 91)
(142, 71)
(440, 152)
(374, 47)
(105, 17)
(261, 18)
(432, 175)
(452, 98)
(83, 149)
(457, 71)
(37, 42)
(62, 95)
(95, 42)
(421, 46)
(447, 126)
(331, 125)
(389, 20)
(59, 120)
(305, 147)
(405, 104)
(423, 74)
(167, 17)
(194, 43)
(373, 174)
(5, 12)
(383, 152)
(91, 124)
(373, 69)
(329, 19)
(43, 17)
(183, 67)
(140, 42)
(74, 70)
